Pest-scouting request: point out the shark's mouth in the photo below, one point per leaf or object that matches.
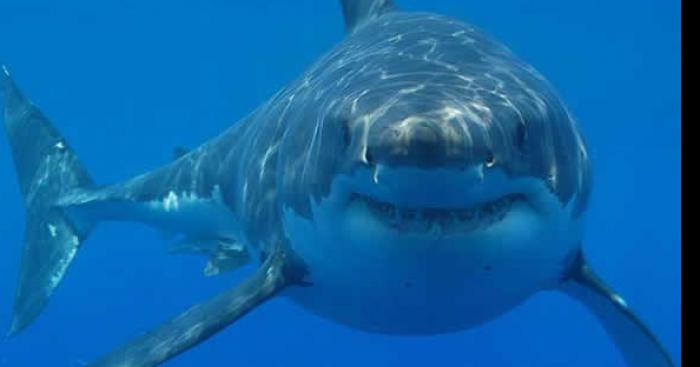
(442, 220)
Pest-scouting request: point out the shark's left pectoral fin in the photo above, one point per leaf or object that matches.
(638, 345)
(202, 321)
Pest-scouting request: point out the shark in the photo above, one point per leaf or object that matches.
(417, 179)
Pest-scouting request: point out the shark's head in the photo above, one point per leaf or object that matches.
(431, 197)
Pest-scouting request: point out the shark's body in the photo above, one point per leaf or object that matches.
(417, 179)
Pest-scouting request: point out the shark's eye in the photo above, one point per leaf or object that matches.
(490, 159)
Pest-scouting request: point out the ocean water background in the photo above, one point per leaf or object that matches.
(127, 81)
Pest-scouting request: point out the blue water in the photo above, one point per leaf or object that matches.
(126, 81)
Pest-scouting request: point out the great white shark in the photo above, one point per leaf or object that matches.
(417, 179)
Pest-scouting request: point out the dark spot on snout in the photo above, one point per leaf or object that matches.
(408, 284)
(520, 137)
(369, 157)
(425, 140)
(345, 130)
(421, 144)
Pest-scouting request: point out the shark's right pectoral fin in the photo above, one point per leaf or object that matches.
(202, 321)
(636, 342)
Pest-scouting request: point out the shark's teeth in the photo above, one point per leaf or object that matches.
(439, 220)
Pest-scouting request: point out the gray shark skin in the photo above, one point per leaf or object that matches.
(417, 179)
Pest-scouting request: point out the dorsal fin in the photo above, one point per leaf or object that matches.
(357, 12)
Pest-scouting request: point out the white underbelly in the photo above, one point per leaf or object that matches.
(370, 277)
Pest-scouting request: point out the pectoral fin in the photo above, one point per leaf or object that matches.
(201, 321)
(636, 342)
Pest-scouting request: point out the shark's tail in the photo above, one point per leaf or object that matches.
(47, 168)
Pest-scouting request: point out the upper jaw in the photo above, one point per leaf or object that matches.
(437, 188)
(444, 200)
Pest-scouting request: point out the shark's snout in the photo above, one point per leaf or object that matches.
(428, 140)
